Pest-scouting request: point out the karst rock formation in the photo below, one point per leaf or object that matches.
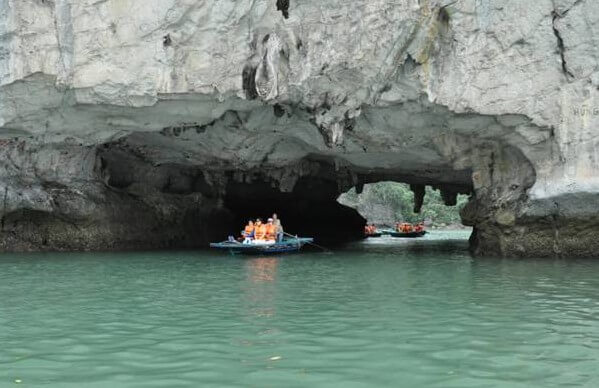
(165, 123)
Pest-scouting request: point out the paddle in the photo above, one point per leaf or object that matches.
(311, 243)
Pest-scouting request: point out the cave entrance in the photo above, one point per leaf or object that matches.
(311, 209)
(314, 207)
(387, 202)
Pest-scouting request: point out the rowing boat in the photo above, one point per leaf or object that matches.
(287, 245)
(407, 235)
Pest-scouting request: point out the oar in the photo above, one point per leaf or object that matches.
(311, 243)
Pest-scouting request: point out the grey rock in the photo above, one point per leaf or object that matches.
(140, 123)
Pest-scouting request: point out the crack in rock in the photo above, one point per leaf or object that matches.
(560, 43)
(283, 6)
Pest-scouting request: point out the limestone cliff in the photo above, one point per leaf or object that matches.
(135, 123)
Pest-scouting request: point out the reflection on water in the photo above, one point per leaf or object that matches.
(262, 269)
(260, 291)
(386, 313)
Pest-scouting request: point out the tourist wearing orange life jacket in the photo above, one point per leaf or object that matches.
(259, 230)
(405, 227)
(370, 229)
(248, 232)
(271, 230)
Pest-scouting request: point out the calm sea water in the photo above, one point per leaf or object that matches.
(383, 313)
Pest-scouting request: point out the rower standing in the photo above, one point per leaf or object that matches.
(279, 227)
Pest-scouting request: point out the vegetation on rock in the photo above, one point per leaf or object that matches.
(385, 203)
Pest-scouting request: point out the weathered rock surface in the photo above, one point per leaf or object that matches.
(150, 123)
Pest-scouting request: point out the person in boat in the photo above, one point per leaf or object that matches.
(271, 230)
(259, 230)
(279, 227)
(419, 227)
(248, 232)
(260, 233)
(405, 227)
(370, 229)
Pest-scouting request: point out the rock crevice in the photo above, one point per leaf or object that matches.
(560, 45)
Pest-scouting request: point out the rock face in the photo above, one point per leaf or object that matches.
(155, 123)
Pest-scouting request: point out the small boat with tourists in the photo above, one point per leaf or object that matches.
(371, 231)
(259, 238)
(407, 230)
(287, 245)
(407, 234)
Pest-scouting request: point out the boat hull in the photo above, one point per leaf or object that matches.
(373, 235)
(407, 235)
(286, 246)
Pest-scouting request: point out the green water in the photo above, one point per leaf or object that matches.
(383, 313)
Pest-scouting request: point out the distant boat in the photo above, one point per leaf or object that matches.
(289, 244)
(376, 234)
(407, 234)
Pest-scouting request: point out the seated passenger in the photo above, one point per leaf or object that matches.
(405, 227)
(260, 233)
(248, 232)
(271, 231)
(259, 230)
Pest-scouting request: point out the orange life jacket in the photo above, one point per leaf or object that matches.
(405, 227)
(271, 231)
(248, 230)
(260, 232)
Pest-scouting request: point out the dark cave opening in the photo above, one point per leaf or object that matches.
(310, 210)
(187, 207)
(179, 206)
